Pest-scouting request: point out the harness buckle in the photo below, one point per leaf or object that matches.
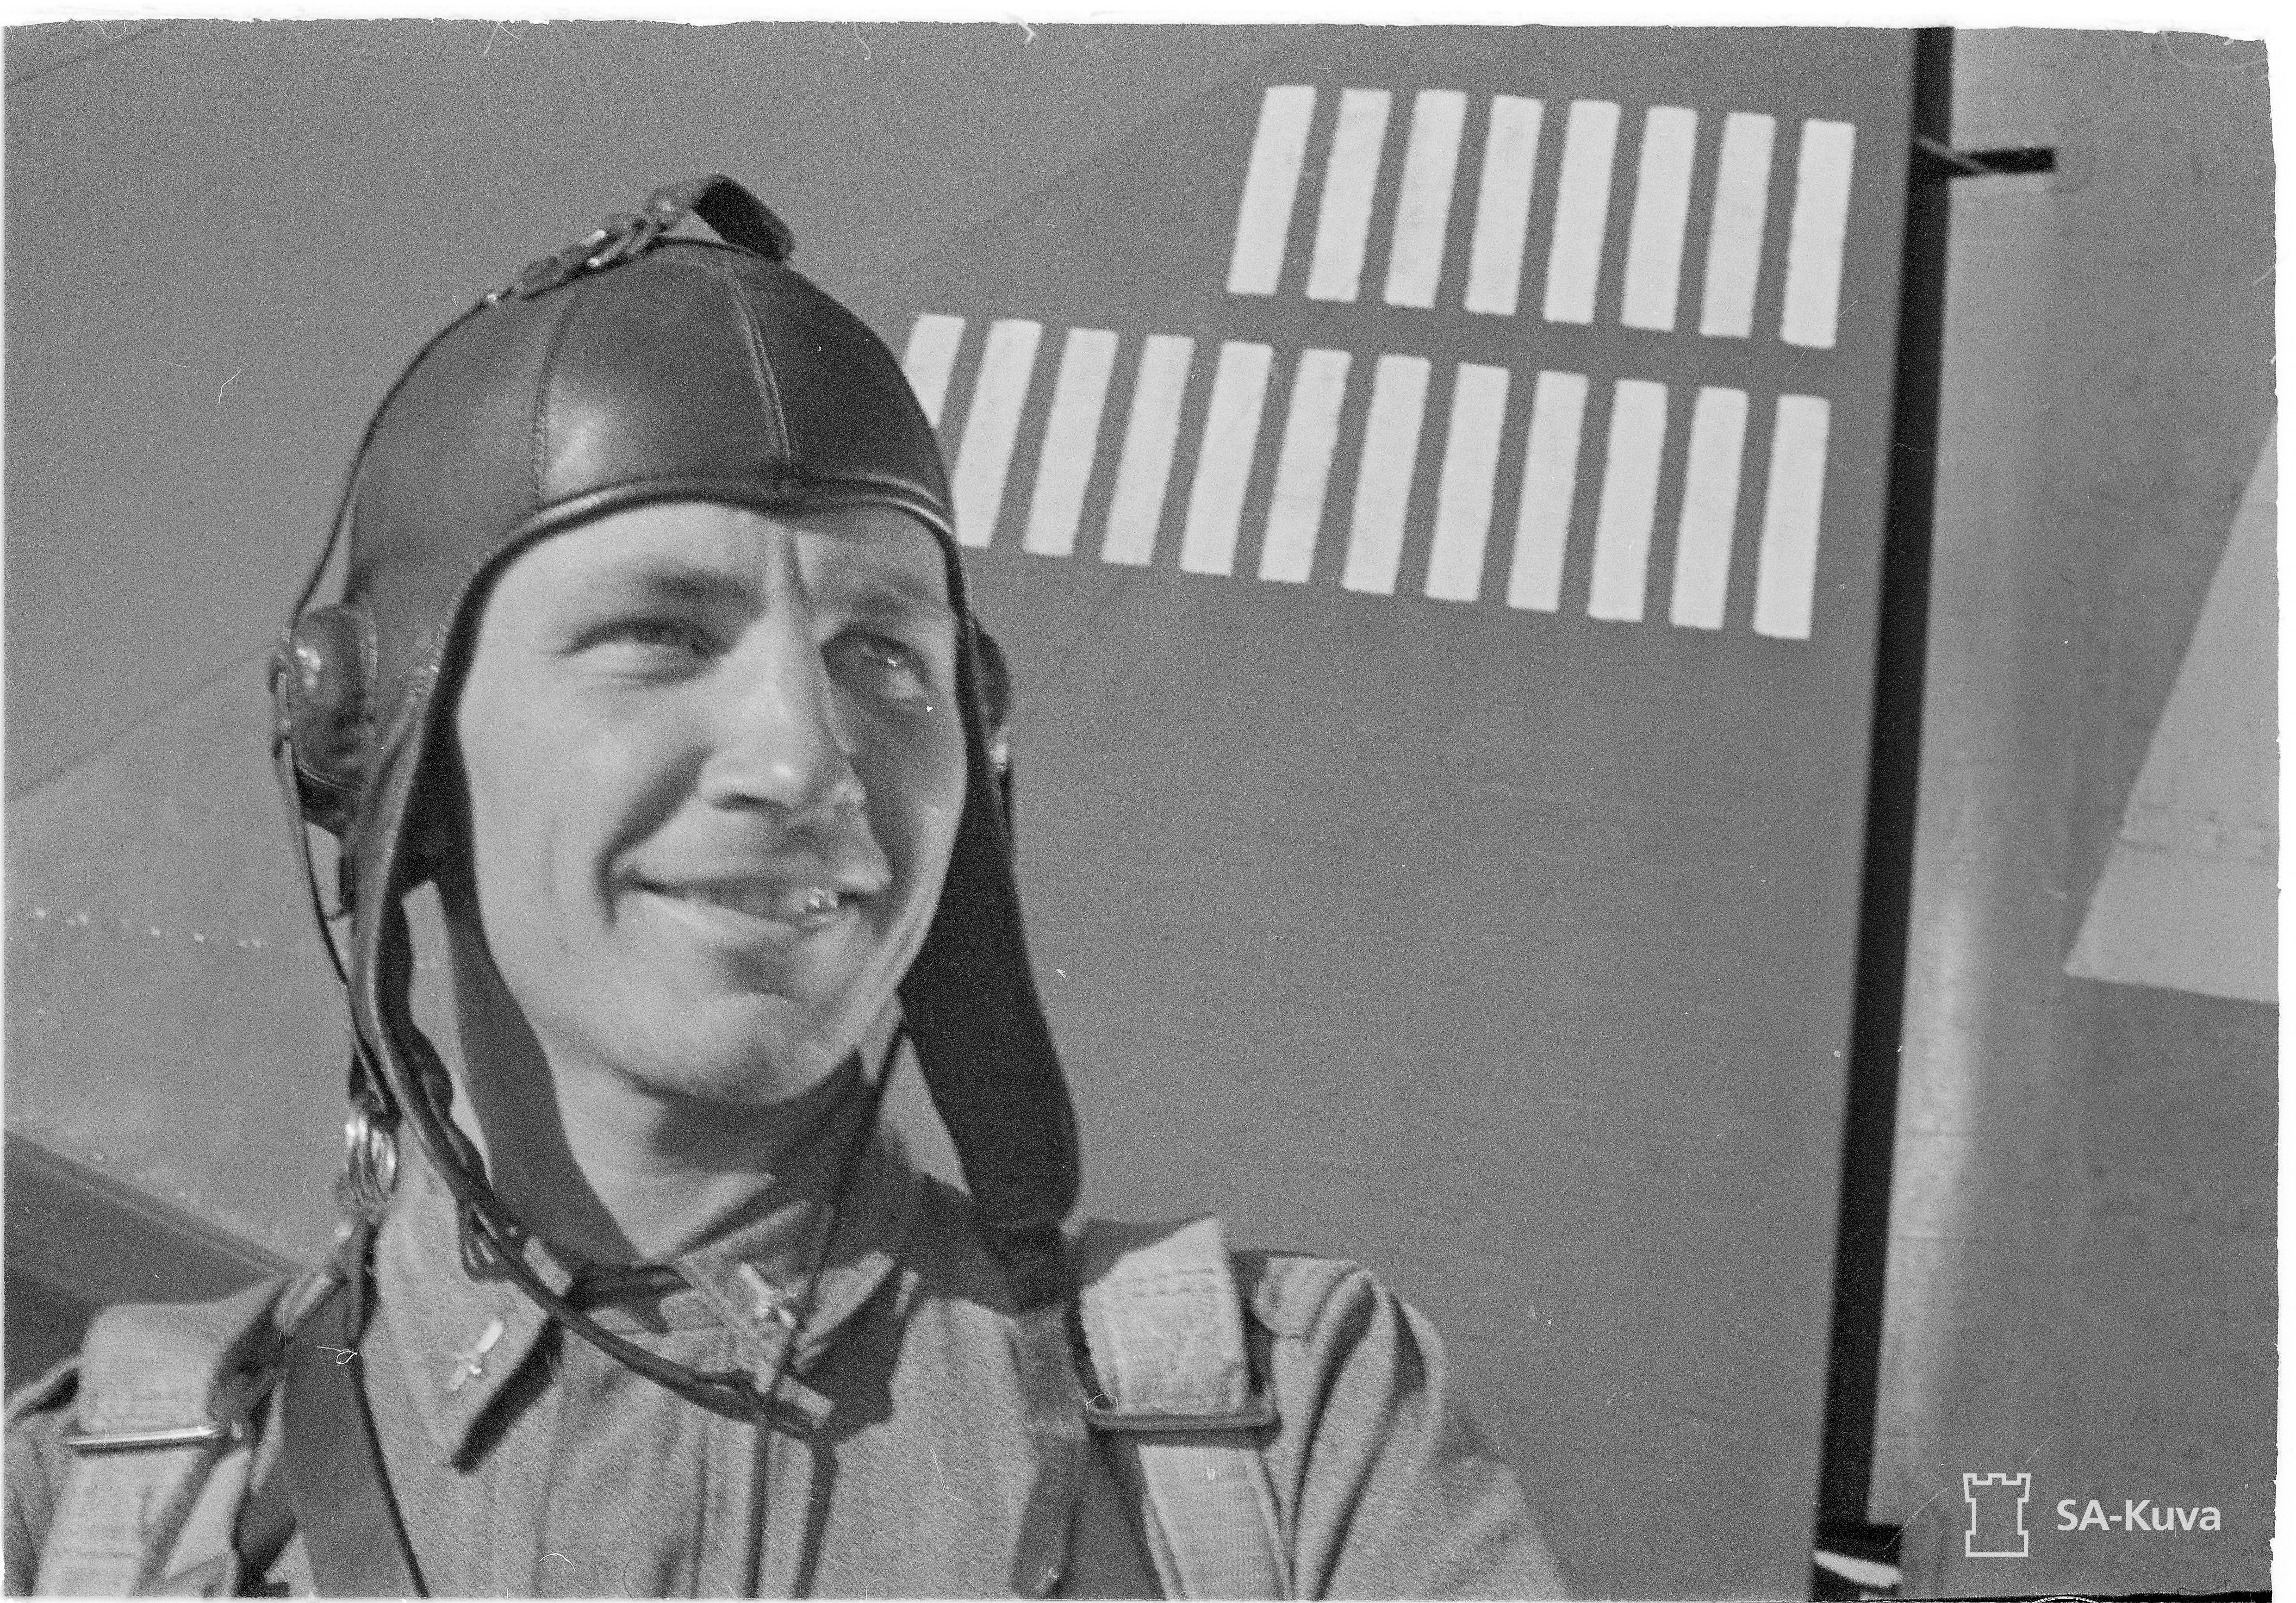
(233, 1429)
(173, 1436)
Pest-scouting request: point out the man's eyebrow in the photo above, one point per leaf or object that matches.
(671, 580)
(677, 582)
(891, 590)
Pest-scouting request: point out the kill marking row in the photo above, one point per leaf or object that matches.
(1226, 454)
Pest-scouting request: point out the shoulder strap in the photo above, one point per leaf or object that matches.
(1163, 1323)
(326, 1483)
(166, 1392)
(335, 1481)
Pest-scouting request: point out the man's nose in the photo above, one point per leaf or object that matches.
(777, 742)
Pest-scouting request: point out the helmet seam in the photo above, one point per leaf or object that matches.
(761, 365)
(541, 431)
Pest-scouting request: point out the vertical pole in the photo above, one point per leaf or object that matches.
(1861, 1249)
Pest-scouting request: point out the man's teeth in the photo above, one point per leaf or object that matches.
(813, 901)
(792, 904)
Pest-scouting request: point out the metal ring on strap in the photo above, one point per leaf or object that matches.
(370, 1164)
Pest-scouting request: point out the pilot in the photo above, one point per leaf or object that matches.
(655, 658)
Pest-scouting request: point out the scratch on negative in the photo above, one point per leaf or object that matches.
(226, 384)
(937, 1470)
(580, 66)
(1907, 1523)
(2210, 66)
(867, 54)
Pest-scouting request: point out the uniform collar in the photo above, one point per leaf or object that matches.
(459, 1338)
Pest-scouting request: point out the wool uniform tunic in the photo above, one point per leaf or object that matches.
(524, 1462)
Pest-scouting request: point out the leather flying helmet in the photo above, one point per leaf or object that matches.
(630, 369)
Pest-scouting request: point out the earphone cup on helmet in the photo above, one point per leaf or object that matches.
(323, 705)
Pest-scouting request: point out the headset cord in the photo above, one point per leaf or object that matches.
(864, 1132)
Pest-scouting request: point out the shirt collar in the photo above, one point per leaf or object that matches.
(458, 1338)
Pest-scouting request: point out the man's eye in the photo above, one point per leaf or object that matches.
(674, 637)
(879, 665)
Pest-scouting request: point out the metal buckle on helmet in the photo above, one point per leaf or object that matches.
(548, 272)
(623, 237)
(626, 236)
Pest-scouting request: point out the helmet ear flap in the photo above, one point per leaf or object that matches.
(323, 709)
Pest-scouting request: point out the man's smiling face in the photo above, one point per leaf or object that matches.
(714, 764)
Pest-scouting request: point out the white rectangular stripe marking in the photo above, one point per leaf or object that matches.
(1734, 243)
(1709, 509)
(1145, 467)
(1653, 280)
(1550, 481)
(1271, 184)
(1622, 521)
(1071, 435)
(1463, 498)
(1502, 205)
(931, 355)
(990, 425)
(1785, 575)
(1223, 459)
(1423, 214)
(1821, 220)
(1582, 208)
(1344, 220)
(1303, 465)
(1391, 446)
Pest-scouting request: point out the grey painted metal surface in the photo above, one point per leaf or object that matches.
(2081, 1263)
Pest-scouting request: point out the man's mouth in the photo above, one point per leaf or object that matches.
(802, 905)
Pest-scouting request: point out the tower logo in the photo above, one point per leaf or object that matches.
(1997, 1515)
